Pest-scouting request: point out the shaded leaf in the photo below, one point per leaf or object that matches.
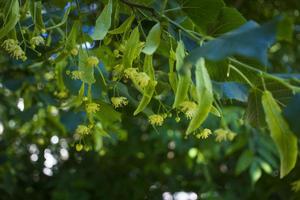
(250, 40)
(244, 161)
(202, 12)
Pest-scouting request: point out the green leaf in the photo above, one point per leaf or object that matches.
(250, 40)
(86, 71)
(244, 161)
(124, 27)
(37, 17)
(147, 96)
(150, 88)
(148, 67)
(12, 19)
(152, 40)
(103, 22)
(203, 12)
(285, 29)
(204, 94)
(72, 37)
(229, 19)
(284, 139)
(215, 111)
(255, 172)
(184, 81)
(180, 55)
(132, 48)
(254, 113)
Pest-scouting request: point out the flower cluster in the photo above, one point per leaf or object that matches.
(140, 78)
(74, 51)
(224, 135)
(189, 108)
(156, 120)
(82, 130)
(119, 102)
(13, 48)
(296, 186)
(37, 41)
(76, 75)
(92, 61)
(92, 107)
(205, 133)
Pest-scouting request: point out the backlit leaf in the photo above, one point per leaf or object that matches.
(285, 140)
(103, 22)
(152, 40)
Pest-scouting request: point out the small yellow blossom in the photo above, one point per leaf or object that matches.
(61, 94)
(79, 147)
(76, 75)
(223, 135)
(13, 48)
(10, 45)
(204, 133)
(119, 101)
(156, 120)
(74, 51)
(37, 41)
(92, 61)
(296, 186)
(82, 130)
(189, 108)
(142, 79)
(92, 107)
(130, 73)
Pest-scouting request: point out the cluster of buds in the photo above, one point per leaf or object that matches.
(224, 135)
(119, 102)
(189, 108)
(37, 41)
(156, 119)
(92, 107)
(140, 78)
(13, 48)
(92, 61)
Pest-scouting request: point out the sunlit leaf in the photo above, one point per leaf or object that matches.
(152, 40)
(103, 22)
(285, 140)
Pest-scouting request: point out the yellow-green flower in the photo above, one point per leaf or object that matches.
(92, 107)
(82, 130)
(189, 108)
(204, 133)
(13, 48)
(156, 120)
(74, 51)
(130, 73)
(224, 135)
(119, 101)
(37, 41)
(296, 186)
(92, 61)
(142, 79)
(76, 75)
(10, 45)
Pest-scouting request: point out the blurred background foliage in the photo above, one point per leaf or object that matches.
(39, 158)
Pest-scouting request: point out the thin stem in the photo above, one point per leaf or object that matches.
(242, 75)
